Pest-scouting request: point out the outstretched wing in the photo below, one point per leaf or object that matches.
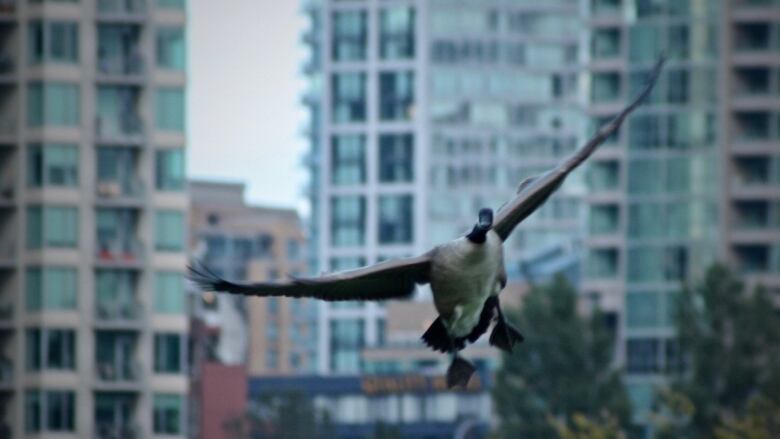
(393, 279)
(534, 191)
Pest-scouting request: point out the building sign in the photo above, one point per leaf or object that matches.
(377, 385)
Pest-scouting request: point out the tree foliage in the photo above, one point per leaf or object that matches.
(581, 427)
(564, 368)
(287, 416)
(731, 345)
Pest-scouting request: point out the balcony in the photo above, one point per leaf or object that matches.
(6, 373)
(118, 372)
(6, 311)
(7, 237)
(119, 51)
(105, 430)
(123, 192)
(8, 112)
(117, 312)
(121, 10)
(8, 43)
(120, 252)
(127, 127)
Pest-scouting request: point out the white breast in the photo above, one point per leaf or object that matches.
(463, 276)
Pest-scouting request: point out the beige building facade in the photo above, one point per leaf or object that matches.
(92, 219)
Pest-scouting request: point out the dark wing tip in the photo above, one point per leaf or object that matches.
(204, 278)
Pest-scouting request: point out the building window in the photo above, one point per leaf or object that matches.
(396, 33)
(293, 250)
(346, 342)
(602, 263)
(602, 175)
(605, 43)
(53, 103)
(645, 264)
(54, 41)
(643, 310)
(51, 411)
(50, 349)
(605, 87)
(169, 231)
(168, 353)
(603, 219)
(171, 48)
(396, 158)
(169, 169)
(348, 159)
(643, 355)
(52, 226)
(168, 416)
(51, 288)
(171, 4)
(350, 36)
(272, 359)
(348, 217)
(396, 95)
(169, 109)
(53, 164)
(395, 219)
(349, 97)
(169, 292)
(645, 43)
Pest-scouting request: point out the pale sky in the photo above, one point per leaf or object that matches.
(245, 87)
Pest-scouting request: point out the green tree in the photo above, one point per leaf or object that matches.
(564, 368)
(581, 427)
(731, 345)
(288, 416)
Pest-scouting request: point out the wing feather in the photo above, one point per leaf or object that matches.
(533, 192)
(394, 279)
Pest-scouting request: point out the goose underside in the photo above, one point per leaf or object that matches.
(438, 339)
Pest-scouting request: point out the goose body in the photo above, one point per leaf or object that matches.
(463, 276)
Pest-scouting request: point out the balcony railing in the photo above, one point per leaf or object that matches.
(134, 7)
(123, 126)
(112, 189)
(121, 251)
(130, 64)
(112, 373)
(115, 431)
(114, 311)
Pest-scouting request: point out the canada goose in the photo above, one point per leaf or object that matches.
(466, 274)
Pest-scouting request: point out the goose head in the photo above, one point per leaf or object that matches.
(484, 223)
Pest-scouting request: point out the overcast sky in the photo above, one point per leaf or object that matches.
(245, 85)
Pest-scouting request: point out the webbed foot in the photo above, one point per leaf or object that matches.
(459, 372)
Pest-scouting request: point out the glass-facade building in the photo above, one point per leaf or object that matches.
(92, 218)
(421, 114)
(692, 178)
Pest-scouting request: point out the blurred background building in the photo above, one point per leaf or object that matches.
(422, 113)
(694, 177)
(92, 218)
(231, 336)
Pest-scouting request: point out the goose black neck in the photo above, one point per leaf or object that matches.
(477, 235)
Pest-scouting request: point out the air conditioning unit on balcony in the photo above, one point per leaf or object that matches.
(109, 189)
